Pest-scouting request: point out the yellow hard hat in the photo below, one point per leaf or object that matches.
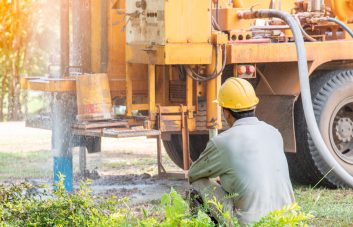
(237, 94)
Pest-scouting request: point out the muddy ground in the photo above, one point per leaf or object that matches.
(124, 168)
(127, 168)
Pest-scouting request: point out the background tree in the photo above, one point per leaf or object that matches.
(27, 33)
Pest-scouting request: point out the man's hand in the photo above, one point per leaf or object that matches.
(218, 180)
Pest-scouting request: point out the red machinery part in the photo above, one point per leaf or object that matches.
(250, 69)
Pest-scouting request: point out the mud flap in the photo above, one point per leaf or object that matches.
(278, 111)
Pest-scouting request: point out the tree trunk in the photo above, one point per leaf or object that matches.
(4, 85)
(10, 102)
(14, 108)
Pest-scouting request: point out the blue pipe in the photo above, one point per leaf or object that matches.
(63, 115)
(63, 166)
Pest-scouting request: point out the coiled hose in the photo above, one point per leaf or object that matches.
(304, 88)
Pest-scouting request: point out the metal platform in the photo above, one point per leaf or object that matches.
(121, 129)
(101, 124)
(117, 132)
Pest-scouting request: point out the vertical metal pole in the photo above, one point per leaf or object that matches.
(63, 115)
(213, 110)
(96, 41)
(189, 95)
(316, 5)
(128, 81)
(185, 121)
(81, 36)
(152, 89)
(185, 139)
(83, 161)
(273, 4)
(64, 35)
(104, 35)
(159, 154)
(165, 87)
(63, 112)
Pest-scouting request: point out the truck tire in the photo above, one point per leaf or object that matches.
(332, 94)
(174, 150)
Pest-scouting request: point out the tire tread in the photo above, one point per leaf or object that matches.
(307, 166)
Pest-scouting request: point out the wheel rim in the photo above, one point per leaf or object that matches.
(341, 130)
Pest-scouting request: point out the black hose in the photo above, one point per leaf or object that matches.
(215, 73)
(340, 23)
(182, 73)
(202, 78)
(199, 77)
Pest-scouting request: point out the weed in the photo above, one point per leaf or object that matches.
(24, 205)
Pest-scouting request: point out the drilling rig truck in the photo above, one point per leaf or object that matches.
(163, 62)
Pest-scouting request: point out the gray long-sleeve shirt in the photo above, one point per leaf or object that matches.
(250, 161)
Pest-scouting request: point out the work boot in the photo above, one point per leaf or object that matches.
(195, 202)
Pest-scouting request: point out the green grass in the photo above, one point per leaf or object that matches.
(330, 207)
(25, 164)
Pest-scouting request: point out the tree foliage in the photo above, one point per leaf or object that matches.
(22, 50)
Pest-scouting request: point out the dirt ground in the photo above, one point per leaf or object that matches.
(124, 168)
(127, 168)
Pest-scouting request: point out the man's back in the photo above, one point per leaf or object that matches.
(254, 168)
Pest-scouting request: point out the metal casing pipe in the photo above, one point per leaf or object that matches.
(62, 106)
(316, 5)
(63, 115)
